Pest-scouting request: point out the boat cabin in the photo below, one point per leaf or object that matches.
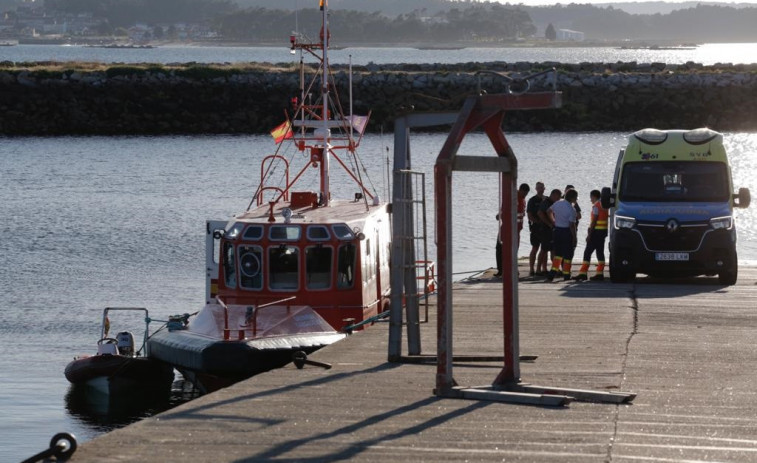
(333, 258)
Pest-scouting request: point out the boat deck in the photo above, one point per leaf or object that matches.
(686, 348)
(339, 211)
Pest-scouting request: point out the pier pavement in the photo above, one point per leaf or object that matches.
(686, 347)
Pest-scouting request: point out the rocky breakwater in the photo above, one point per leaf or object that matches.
(55, 99)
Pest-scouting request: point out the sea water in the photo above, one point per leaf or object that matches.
(709, 53)
(93, 222)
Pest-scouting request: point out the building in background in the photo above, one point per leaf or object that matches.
(568, 35)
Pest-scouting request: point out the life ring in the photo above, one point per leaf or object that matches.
(250, 264)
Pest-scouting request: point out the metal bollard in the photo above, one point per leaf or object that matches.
(62, 446)
(301, 359)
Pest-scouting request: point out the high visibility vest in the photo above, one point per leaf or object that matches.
(599, 216)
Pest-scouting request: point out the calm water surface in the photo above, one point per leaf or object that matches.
(712, 53)
(90, 222)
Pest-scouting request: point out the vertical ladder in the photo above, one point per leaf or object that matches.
(422, 267)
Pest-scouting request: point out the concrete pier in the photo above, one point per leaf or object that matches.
(686, 347)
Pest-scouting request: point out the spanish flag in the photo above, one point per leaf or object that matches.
(282, 132)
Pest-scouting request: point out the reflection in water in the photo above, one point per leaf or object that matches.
(104, 412)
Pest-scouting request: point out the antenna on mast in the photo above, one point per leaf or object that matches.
(296, 16)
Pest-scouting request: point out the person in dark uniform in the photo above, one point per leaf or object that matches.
(546, 233)
(535, 227)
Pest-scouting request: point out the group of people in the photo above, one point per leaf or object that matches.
(553, 224)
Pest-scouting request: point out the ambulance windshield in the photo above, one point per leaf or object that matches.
(674, 181)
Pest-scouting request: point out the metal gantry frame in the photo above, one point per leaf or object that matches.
(478, 112)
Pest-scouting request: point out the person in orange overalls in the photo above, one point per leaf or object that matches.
(595, 240)
(562, 218)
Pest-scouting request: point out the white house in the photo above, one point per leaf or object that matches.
(569, 35)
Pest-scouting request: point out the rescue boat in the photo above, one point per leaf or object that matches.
(297, 269)
(119, 369)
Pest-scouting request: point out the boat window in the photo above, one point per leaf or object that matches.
(253, 232)
(318, 233)
(229, 265)
(216, 251)
(369, 262)
(283, 267)
(345, 272)
(234, 231)
(285, 232)
(343, 232)
(250, 267)
(318, 267)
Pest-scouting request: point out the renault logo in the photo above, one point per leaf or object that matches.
(671, 226)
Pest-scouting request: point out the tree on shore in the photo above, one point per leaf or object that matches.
(479, 23)
(550, 33)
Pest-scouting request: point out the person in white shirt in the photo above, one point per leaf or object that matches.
(563, 217)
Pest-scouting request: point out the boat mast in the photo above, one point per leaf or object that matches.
(326, 131)
(319, 117)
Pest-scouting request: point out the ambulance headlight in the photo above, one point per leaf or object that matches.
(624, 222)
(724, 223)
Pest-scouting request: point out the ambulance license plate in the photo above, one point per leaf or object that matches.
(674, 256)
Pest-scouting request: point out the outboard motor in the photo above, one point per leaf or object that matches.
(125, 343)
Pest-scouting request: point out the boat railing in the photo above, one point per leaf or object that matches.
(282, 192)
(251, 317)
(266, 166)
(226, 330)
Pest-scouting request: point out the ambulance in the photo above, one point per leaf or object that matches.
(671, 207)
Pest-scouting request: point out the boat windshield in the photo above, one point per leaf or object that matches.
(674, 181)
(283, 267)
(250, 266)
(318, 266)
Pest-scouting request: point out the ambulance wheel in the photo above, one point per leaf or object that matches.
(620, 275)
(728, 277)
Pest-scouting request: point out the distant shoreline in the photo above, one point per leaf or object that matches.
(336, 44)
